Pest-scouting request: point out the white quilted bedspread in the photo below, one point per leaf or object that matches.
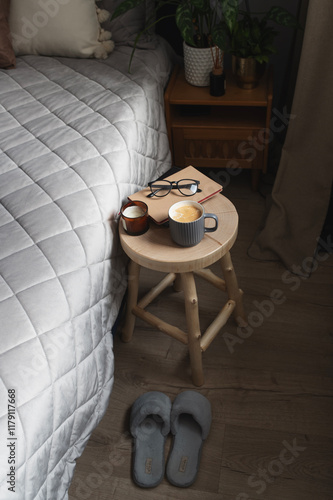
(76, 138)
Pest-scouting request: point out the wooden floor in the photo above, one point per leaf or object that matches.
(271, 393)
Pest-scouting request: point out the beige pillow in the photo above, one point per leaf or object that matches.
(7, 56)
(68, 28)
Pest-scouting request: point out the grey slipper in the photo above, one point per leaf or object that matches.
(149, 424)
(190, 424)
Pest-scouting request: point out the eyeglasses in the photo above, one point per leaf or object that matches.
(187, 187)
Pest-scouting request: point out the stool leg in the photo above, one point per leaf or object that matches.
(177, 284)
(234, 292)
(132, 298)
(193, 327)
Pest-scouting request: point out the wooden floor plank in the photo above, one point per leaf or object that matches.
(270, 386)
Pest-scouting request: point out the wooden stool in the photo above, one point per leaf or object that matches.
(156, 250)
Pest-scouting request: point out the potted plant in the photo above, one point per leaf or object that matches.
(202, 26)
(251, 41)
(203, 30)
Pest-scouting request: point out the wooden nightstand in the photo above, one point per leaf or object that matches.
(231, 131)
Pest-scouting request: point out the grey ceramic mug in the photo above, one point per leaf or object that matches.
(187, 232)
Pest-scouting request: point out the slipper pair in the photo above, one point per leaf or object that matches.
(152, 418)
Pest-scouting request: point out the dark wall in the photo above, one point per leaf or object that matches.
(168, 28)
(285, 62)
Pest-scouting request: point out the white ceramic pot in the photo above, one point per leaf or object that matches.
(198, 64)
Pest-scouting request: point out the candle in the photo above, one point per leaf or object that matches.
(133, 212)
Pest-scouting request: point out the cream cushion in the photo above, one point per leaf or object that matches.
(67, 28)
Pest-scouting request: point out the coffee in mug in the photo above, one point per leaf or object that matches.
(186, 213)
(187, 223)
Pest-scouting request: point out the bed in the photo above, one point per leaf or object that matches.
(77, 136)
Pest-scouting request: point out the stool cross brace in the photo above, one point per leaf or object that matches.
(197, 342)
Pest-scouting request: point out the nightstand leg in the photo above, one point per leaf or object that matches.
(132, 299)
(193, 327)
(233, 291)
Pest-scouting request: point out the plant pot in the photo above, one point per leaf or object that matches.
(198, 65)
(247, 71)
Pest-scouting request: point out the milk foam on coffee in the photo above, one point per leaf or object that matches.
(186, 213)
(133, 212)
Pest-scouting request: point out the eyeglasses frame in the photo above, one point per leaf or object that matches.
(173, 185)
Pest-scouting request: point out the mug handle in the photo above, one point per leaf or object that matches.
(211, 229)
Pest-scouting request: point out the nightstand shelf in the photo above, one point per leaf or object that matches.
(228, 131)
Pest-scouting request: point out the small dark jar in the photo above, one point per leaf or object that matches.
(217, 84)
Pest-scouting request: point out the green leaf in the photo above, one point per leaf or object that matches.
(255, 30)
(281, 16)
(262, 58)
(219, 36)
(230, 13)
(184, 21)
(200, 5)
(126, 6)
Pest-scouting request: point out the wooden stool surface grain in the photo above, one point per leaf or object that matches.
(156, 250)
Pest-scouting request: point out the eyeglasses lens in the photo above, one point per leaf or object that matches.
(187, 187)
(161, 188)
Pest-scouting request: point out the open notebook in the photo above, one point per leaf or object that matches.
(158, 208)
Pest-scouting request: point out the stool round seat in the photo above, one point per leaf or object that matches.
(156, 250)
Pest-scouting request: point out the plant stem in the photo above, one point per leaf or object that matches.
(201, 23)
(211, 51)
